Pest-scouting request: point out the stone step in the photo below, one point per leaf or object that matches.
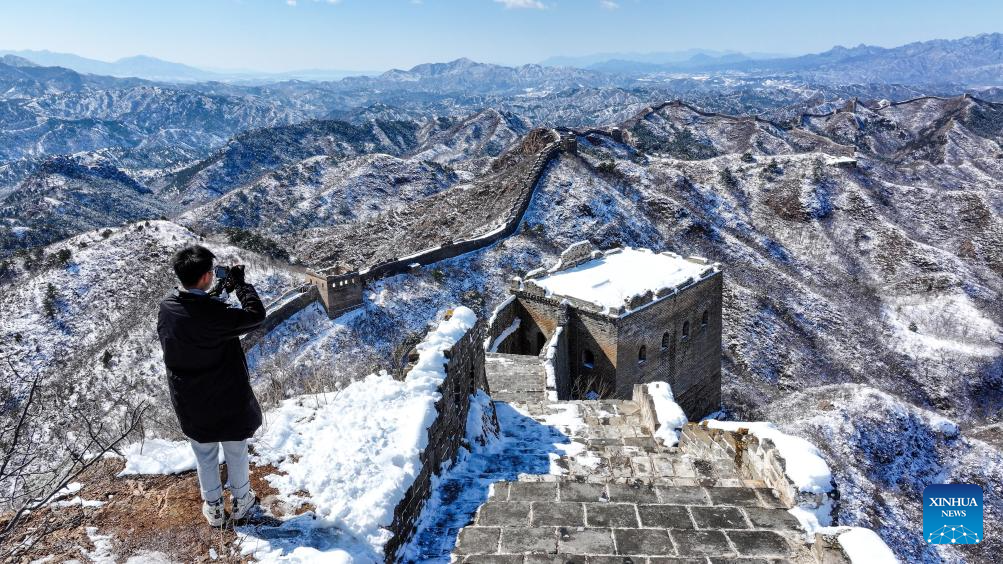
(614, 494)
(515, 373)
(513, 358)
(564, 520)
(563, 488)
(625, 544)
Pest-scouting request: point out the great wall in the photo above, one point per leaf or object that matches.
(614, 490)
(618, 492)
(341, 291)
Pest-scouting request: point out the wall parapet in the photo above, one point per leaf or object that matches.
(464, 371)
(281, 309)
(501, 319)
(759, 459)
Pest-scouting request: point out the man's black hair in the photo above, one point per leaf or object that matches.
(191, 262)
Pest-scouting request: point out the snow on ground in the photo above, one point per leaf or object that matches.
(353, 455)
(159, 456)
(613, 278)
(926, 326)
(863, 546)
(59, 498)
(102, 552)
(671, 417)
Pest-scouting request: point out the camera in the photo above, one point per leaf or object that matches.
(227, 278)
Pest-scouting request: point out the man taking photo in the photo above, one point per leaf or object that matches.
(207, 374)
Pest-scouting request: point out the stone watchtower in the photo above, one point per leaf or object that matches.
(621, 317)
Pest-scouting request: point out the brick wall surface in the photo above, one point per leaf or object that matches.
(538, 321)
(690, 364)
(597, 335)
(585, 331)
(464, 376)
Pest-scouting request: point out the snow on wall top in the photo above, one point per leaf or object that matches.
(804, 463)
(354, 454)
(611, 279)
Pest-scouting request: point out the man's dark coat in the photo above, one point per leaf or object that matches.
(206, 369)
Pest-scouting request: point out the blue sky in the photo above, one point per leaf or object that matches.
(277, 35)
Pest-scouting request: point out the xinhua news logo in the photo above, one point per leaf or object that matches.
(952, 514)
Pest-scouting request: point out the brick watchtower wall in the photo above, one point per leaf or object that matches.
(690, 362)
(672, 335)
(338, 292)
(590, 337)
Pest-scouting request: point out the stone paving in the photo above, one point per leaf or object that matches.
(515, 377)
(585, 482)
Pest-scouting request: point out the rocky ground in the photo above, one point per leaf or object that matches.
(155, 518)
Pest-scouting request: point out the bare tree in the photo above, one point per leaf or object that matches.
(29, 477)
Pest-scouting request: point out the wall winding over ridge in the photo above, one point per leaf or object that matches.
(281, 309)
(343, 291)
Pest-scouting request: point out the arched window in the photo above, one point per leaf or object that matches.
(642, 354)
(588, 359)
(686, 329)
(665, 340)
(703, 320)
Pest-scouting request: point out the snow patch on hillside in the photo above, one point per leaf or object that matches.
(929, 325)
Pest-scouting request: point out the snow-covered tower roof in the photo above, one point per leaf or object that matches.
(619, 280)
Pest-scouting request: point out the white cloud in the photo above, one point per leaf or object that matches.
(535, 4)
(608, 5)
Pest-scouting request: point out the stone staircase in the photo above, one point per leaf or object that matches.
(611, 493)
(515, 377)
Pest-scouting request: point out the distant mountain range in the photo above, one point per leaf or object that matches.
(151, 68)
(620, 62)
(974, 61)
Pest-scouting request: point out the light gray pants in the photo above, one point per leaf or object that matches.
(237, 470)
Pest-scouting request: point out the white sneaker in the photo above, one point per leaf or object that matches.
(243, 505)
(215, 513)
